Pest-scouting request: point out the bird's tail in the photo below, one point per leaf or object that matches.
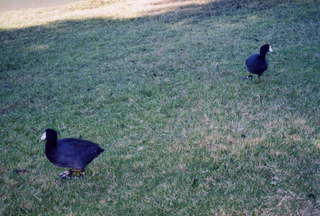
(100, 150)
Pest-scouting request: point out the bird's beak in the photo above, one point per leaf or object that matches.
(270, 49)
(43, 137)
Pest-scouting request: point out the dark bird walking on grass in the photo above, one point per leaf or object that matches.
(71, 153)
(257, 63)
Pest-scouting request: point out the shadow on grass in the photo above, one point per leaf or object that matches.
(28, 47)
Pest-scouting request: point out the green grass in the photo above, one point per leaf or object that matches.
(163, 94)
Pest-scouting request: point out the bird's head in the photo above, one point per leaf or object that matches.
(266, 48)
(49, 134)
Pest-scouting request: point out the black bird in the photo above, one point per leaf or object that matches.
(71, 153)
(257, 63)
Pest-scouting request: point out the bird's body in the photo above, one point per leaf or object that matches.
(71, 153)
(257, 63)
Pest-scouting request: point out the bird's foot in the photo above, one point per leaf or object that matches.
(249, 77)
(65, 174)
(71, 173)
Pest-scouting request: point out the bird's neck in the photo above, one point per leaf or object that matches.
(263, 55)
(51, 145)
(50, 150)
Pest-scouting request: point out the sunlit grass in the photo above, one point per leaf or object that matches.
(88, 9)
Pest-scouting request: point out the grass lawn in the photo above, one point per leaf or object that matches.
(159, 87)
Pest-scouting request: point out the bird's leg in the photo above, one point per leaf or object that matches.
(259, 80)
(77, 172)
